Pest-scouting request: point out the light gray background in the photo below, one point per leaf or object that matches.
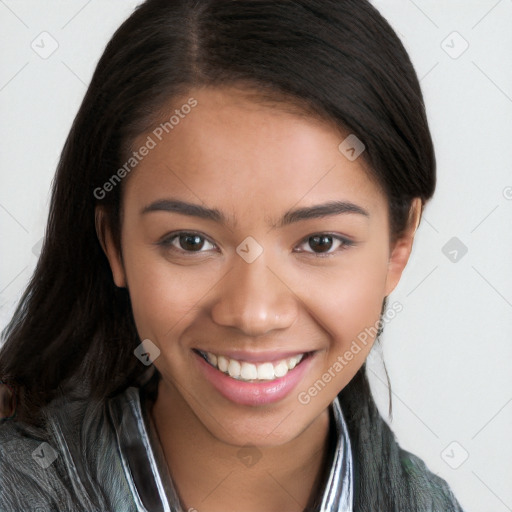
(449, 351)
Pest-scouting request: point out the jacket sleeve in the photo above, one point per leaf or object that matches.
(31, 474)
(70, 465)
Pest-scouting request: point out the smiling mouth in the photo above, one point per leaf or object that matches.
(250, 372)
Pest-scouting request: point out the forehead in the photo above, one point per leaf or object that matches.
(234, 153)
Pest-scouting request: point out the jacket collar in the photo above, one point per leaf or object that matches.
(142, 455)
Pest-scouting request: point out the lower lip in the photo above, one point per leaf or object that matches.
(254, 393)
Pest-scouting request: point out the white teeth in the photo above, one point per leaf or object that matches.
(266, 371)
(292, 363)
(234, 368)
(248, 371)
(281, 369)
(243, 370)
(222, 363)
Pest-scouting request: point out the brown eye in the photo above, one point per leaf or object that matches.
(324, 244)
(191, 242)
(321, 243)
(185, 242)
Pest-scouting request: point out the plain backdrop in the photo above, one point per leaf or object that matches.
(448, 352)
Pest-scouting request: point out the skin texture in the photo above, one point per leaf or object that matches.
(253, 162)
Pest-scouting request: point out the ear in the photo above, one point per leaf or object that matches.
(402, 247)
(113, 255)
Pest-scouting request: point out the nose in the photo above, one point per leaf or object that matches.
(254, 299)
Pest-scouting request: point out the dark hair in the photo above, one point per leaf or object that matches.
(338, 60)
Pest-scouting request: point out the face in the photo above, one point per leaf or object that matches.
(249, 240)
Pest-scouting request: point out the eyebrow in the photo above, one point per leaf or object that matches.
(328, 209)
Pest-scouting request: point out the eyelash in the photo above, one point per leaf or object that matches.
(345, 243)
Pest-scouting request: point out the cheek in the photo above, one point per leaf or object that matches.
(346, 302)
(347, 298)
(348, 309)
(164, 296)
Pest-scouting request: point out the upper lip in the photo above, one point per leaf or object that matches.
(256, 357)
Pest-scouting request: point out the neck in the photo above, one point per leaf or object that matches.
(212, 476)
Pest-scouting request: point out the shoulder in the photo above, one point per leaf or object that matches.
(427, 486)
(69, 464)
(31, 477)
(387, 477)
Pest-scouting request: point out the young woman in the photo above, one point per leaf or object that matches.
(237, 198)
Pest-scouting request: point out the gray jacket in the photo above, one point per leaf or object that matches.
(104, 456)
